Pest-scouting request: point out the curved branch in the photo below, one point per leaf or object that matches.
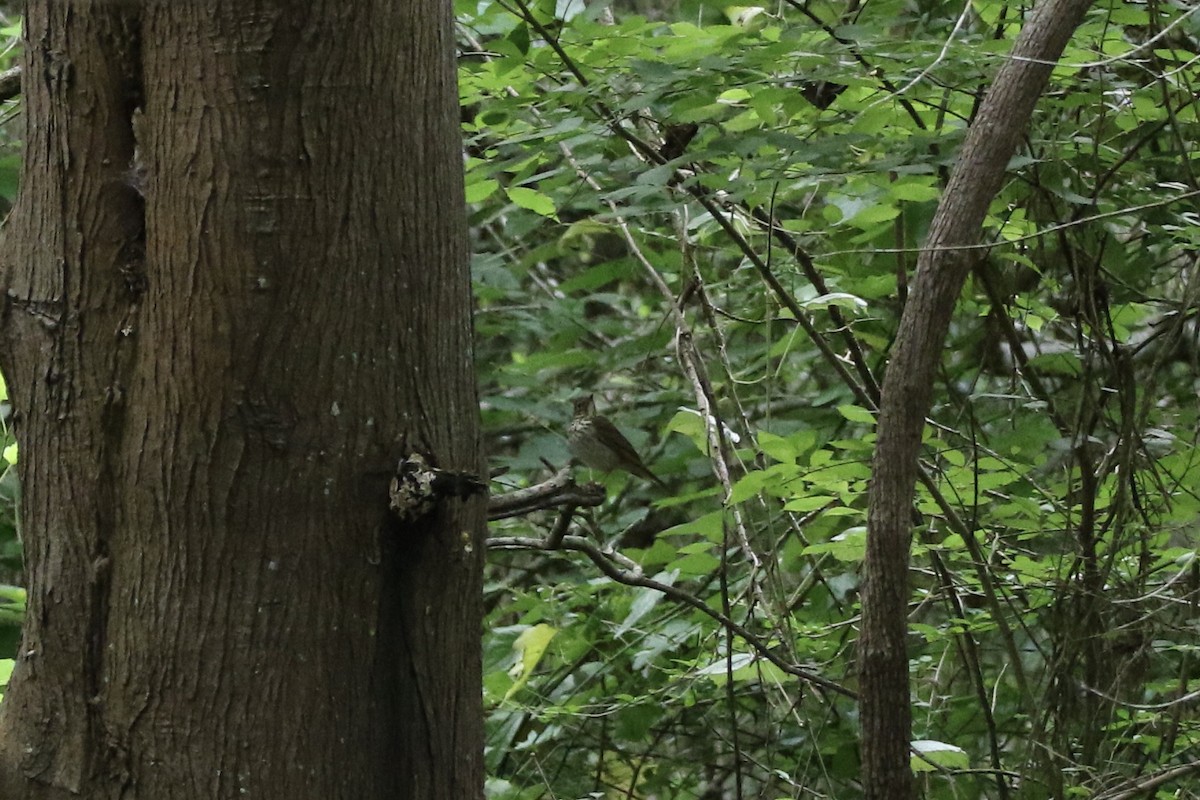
(908, 385)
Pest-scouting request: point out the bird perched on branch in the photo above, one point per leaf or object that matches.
(596, 443)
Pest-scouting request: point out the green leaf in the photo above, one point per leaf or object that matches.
(530, 647)
(943, 755)
(752, 18)
(748, 486)
(695, 562)
(643, 602)
(531, 200)
(912, 190)
(838, 299)
(857, 414)
(746, 668)
(778, 448)
(849, 546)
(481, 190)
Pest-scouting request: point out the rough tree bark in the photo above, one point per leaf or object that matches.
(907, 389)
(235, 294)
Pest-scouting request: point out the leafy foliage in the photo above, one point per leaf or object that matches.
(758, 273)
(730, 291)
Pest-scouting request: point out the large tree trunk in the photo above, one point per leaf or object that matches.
(236, 294)
(908, 387)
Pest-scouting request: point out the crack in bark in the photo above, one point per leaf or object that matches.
(108, 753)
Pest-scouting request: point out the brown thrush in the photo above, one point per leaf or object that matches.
(596, 443)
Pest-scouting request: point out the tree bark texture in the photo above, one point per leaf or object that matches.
(236, 294)
(907, 389)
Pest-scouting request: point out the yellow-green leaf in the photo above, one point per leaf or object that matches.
(532, 199)
(530, 646)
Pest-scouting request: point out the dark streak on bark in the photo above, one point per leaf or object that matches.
(108, 748)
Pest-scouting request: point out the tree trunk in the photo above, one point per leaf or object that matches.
(236, 294)
(907, 390)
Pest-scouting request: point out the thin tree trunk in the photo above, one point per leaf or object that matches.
(908, 385)
(236, 294)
